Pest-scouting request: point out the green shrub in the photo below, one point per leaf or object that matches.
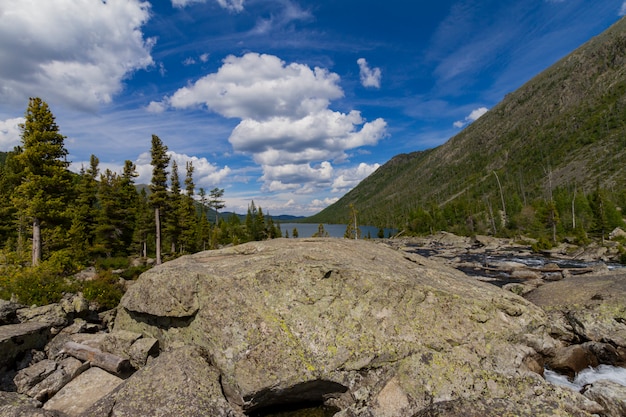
(543, 243)
(133, 272)
(43, 284)
(105, 290)
(116, 262)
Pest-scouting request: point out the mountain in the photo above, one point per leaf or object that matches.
(565, 128)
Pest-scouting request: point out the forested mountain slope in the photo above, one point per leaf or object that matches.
(565, 128)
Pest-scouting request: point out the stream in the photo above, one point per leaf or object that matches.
(588, 376)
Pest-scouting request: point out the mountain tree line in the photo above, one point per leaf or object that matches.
(565, 212)
(101, 214)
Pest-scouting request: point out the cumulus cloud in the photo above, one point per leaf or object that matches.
(622, 10)
(258, 87)
(205, 174)
(232, 5)
(474, 115)
(350, 178)
(10, 133)
(286, 123)
(45, 51)
(370, 77)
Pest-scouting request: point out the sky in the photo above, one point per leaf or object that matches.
(287, 103)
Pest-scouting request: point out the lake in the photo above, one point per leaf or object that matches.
(334, 230)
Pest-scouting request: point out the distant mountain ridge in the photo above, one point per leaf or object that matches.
(564, 128)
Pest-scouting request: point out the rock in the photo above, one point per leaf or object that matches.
(8, 311)
(609, 394)
(177, 383)
(141, 350)
(51, 314)
(27, 378)
(13, 404)
(586, 308)
(487, 407)
(525, 274)
(67, 370)
(17, 339)
(605, 353)
(88, 274)
(55, 346)
(570, 360)
(487, 241)
(337, 320)
(617, 233)
(119, 342)
(83, 392)
(75, 304)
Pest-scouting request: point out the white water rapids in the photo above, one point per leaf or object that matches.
(588, 376)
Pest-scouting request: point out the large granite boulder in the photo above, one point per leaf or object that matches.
(587, 308)
(357, 325)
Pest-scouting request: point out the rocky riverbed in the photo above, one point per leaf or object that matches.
(361, 328)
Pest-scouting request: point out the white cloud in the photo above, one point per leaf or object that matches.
(350, 178)
(205, 173)
(10, 133)
(232, 5)
(258, 87)
(622, 10)
(156, 107)
(286, 123)
(204, 57)
(76, 52)
(289, 13)
(370, 77)
(473, 116)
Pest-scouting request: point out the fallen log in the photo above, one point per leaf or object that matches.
(107, 361)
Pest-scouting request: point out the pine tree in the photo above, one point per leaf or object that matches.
(46, 183)
(203, 223)
(352, 229)
(144, 223)
(172, 221)
(158, 187)
(129, 199)
(216, 202)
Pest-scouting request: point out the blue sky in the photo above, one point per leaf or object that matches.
(289, 103)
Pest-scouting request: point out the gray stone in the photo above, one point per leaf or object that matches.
(335, 319)
(16, 339)
(67, 370)
(609, 394)
(8, 312)
(54, 347)
(82, 392)
(177, 383)
(13, 404)
(27, 378)
(51, 314)
(141, 350)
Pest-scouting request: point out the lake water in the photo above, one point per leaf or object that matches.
(334, 230)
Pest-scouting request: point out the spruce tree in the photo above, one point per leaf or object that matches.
(158, 187)
(85, 213)
(46, 183)
(187, 213)
(10, 174)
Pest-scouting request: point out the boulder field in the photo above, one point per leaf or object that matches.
(356, 326)
(323, 327)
